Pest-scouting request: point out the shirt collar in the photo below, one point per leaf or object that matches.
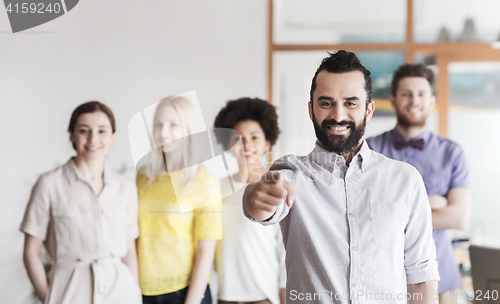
(425, 136)
(326, 158)
(74, 175)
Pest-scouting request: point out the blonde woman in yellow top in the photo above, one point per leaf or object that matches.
(176, 247)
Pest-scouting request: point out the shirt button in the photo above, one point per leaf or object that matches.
(354, 248)
(351, 214)
(330, 169)
(348, 180)
(353, 284)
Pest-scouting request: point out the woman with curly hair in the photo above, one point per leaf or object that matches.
(250, 257)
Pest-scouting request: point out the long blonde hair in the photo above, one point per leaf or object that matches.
(190, 150)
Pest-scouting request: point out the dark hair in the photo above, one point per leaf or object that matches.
(243, 109)
(411, 70)
(343, 62)
(90, 107)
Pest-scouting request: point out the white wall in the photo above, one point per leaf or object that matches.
(127, 54)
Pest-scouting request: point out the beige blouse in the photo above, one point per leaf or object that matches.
(85, 235)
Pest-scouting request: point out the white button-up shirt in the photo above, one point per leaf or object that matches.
(357, 233)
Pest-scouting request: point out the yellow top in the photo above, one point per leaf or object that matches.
(168, 237)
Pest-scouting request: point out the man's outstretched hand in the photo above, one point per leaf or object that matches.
(261, 199)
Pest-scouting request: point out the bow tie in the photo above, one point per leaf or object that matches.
(400, 143)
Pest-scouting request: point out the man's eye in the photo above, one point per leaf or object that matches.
(102, 131)
(326, 104)
(82, 131)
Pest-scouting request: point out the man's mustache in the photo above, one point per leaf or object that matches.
(332, 123)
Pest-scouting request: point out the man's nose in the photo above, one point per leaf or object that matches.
(338, 113)
(413, 99)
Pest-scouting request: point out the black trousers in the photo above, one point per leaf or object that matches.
(176, 297)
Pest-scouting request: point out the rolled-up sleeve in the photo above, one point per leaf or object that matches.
(420, 251)
(460, 171)
(37, 215)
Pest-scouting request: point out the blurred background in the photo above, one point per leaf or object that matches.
(130, 54)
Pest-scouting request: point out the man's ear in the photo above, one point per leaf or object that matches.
(433, 101)
(369, 110)
(392, 100)
(309, 104)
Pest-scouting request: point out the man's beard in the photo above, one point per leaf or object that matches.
(338, 143)
(408, 122)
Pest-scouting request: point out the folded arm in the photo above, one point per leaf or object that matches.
(456, 214)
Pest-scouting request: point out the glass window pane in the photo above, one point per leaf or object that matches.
(475, 85)
(336, 21)
(291, 86)
(445, 20)
(473, 123)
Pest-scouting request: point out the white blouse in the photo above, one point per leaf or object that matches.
(250, 258)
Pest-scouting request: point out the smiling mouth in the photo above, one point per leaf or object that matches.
(338, 129)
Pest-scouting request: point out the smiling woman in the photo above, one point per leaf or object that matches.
(249, 258)
(85, 215)
(91, 112)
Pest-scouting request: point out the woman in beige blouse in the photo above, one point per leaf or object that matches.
(85, 215)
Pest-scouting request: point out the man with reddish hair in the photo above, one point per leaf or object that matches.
(440, 161)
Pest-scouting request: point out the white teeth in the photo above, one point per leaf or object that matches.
(338, 128)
